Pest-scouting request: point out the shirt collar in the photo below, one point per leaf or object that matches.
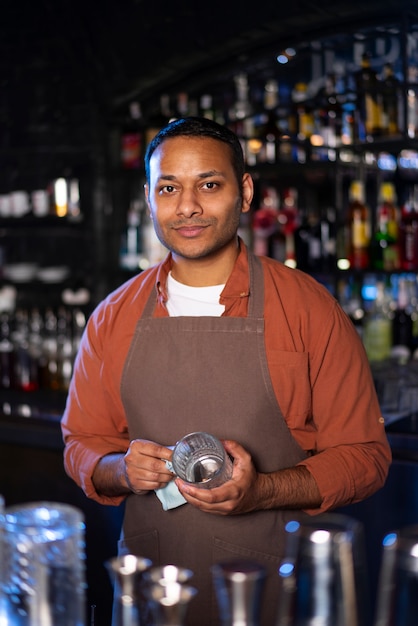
(237, 285)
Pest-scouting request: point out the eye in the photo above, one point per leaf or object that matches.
(167, 189)
(210, 184)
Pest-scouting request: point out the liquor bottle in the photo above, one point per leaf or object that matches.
(402, 325)
(265, 224)
(358, 226)
(385, 241)
(241, 107)
(412, 112)
(270, 132)
(315, 241)
(158, 118)
(26, 363)
(308, 243)
(132, 138)
(131, 242)
(206, 107)
(50, 376)
(408, 232)
(349, 296)
(390, 101)
(7, 359)
(377, 326)
(369, 100)
(329, 239)
(288, 221)
(330, 113)
(305, 122)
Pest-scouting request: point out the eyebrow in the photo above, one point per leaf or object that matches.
(207, 174)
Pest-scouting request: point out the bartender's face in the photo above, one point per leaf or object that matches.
(194, 197)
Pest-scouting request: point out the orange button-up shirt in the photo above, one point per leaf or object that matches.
(318, 366)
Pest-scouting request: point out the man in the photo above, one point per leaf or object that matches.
(216, 339)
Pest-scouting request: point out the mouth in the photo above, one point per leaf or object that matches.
(190, 231)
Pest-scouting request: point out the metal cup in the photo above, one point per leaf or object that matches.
(200, 458)
(324, 575)
(239, 586)
(397, 594)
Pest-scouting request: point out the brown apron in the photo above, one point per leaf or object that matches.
(184, 374)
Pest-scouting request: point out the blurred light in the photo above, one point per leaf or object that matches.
(282, 58)
(369, 292)
(386, 162)
(317, 140)
(61, 197)
(408, 160)
(320, 536)
(292, 526)
(389, 540)
(343, 264)
(255, 145)
(286, 569)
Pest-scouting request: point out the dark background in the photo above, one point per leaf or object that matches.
(70, 65)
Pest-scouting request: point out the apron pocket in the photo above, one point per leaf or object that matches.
(145, 544)
(224, 550)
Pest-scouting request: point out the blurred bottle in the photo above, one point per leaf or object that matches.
(26, 360)
(183, 105)
(158, 118)
(385, 240)
(330, 113)
(131, 241)
(7, 359)
(206, 106)
(241, 107)
(315, 241)
(349, 296)
(270, 131)
(402, 326)
(359, 226)
(265, 225)
(408, 232)
(377, 326)
(65, 354)
(50, 374)
(288, 221)
(369, 100)
(412, 112)
(132, 138)
(391, 106)
(308, 242)
(329, 239)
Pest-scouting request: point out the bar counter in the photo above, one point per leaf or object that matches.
(31, 469)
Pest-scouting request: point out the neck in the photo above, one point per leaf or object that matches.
(204, 272)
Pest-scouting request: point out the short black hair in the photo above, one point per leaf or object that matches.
(199, 127)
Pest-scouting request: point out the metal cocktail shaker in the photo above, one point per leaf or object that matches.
(239, 586)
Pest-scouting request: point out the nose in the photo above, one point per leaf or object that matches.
(188, 203)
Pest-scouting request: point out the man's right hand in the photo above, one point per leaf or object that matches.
(141, 469)
(145, 466)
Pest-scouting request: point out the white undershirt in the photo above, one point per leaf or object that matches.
(193, 301)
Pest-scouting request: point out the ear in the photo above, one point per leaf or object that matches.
(247, 192)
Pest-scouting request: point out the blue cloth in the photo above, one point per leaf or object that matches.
(169, 496)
